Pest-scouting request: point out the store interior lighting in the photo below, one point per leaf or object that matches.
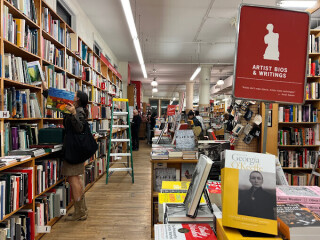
(154, 83)
(220, 82)
(196, 72)
(154, 90)
(133, 31)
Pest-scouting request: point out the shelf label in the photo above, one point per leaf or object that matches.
(4, 114)
(63, 211)
(43, 229)
(272, 55)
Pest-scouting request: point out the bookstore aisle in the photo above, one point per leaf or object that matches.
(117, 211)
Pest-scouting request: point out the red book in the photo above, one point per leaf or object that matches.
(313, 69)
(286, 115)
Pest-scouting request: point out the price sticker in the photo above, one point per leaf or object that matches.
(43, 229)
(63, 211)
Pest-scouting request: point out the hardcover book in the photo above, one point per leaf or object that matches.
(174, 186)
(249, 192)
(197, 185)
(58, 99)
(183, 232)
(298, 194)
(35, 73)
(226, 233)
(187, 170)
(297, 222)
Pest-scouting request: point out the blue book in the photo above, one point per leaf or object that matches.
(58, 99)
(291, 113)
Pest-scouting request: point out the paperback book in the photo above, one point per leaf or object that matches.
(298, 194)
(58, 99)
(183, 232)
(297, 222)
(249, 192)
(35, 73)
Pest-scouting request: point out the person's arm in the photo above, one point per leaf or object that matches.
(78, 118)
(45, 92)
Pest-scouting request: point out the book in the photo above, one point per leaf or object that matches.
(187, 170)
(33, 152)
(58, 99)
(183, 232)
(175, 186)
(163, 174)
(249, 192)
(159, 154)
(227, 233)
(213, 148)
(297, 222)
(35, 73)
(197, 185)
(176, 213)
(298, 194)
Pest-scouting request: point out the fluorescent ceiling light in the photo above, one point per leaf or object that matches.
(220, 82)
(133, 31)
(155, 90)
(174, 99)
(196, 72)
(297, 4)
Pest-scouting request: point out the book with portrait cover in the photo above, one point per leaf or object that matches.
(183, 232)
(58, 99)
(297, 222)
(249, 192)
(298, 194)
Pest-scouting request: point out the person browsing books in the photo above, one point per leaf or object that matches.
(197, 128)
(75, 121)
(256, 202)
(135, 126)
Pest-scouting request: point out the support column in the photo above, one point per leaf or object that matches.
(123, 70)
(189, 97)
(204, 92)
(182, 98)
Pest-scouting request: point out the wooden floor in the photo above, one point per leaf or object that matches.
(117, 211)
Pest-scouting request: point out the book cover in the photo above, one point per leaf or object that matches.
(163, 174)
(298, 222)
(175, 186)
(298, 194)
(249, 192)
(214, 186)
(58, 99)
(197, 185)
(183, 232)
(35, 73)
(187, 170)
(213, 148)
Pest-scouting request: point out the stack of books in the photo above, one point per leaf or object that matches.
(33, 152)
(190, 154)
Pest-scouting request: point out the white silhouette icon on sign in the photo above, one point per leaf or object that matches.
(272, 39)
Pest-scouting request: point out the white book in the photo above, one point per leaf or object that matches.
(299, 113)
(280, 114)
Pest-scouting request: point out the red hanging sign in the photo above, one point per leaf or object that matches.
(171, 110)
(272, 54)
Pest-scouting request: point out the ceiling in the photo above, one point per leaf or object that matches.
(175, 36)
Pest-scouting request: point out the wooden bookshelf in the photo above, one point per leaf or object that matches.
(107, 73)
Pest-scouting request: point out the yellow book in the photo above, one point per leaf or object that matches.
(21, 24)
(171, 198)
(175, 186)
(249, 192)
(226, 233)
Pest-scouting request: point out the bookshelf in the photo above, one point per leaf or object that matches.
(170, 163)
(301, 120)
(75, 67)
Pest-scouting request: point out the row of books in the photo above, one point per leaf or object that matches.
(16, 31)
(51, 26)
(302, 158)
(301, 179)
(52, 54)
(19, 136)
(22, 71)
(296, 136)
(48, 174)
(16, 189)
(72, 42)
(21, 103)
(298, 113)
(314, 44)
(50, 204)
(313, 68)
(73, 66)
(94, 62)
(27, 8)
(312, 90)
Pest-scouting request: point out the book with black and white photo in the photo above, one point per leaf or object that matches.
(197, 185)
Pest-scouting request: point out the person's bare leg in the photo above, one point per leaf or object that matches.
(76, 187)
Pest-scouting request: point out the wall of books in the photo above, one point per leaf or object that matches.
(35, 38)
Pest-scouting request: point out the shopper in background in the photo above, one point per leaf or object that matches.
(197, 129)
(135, 126)
(74, 122)
(152, 125)
(200, 119)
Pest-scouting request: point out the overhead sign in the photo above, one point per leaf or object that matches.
(109, 65)
(171, 110)
(272, 54)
